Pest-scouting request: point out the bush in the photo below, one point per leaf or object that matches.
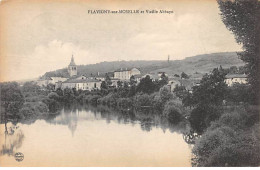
(124, 103)
(53, 105)
(33, 99)
(41, 107)
(224, 146)
(33, 109)
(141, 100)
(109, 100)
(54, 96)
(173, 112)
(201, 117)
(165, 94)
(158, 104)
(232, 140)
(91, 99)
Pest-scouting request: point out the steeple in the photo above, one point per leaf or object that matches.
(72, 68)
(72, 63)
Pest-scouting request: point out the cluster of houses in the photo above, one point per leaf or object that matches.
(82, 82)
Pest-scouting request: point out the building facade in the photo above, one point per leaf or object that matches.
(50, 80)
(81, 84)
(125, 74)
(231, 79)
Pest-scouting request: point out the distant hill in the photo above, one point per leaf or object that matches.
(202, 64)
(196, 65)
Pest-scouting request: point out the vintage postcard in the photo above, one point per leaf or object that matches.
(129, 83)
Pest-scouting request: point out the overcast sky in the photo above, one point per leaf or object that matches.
(40, 37)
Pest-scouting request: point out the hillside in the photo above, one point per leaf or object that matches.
(199, 64)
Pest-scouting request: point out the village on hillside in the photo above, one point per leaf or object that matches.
(94, 82)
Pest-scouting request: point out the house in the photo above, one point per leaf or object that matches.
(43, 82)
(161, 73)
(82, 77)
(50, 80)
(235, 78)
(125, 74)
(57, 79)
(81, 84)
(173, 82)
(138, 78)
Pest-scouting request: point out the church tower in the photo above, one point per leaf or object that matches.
(72, 68)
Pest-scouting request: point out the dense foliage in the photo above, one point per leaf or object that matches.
(233, 140)
(242, 18)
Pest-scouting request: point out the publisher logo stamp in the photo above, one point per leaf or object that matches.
(19, 156)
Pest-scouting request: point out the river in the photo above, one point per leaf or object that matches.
(95, 136)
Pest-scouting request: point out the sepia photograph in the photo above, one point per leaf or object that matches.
(129, 83)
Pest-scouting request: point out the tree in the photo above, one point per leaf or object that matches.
(242, 18)
(30, 87)
(132, 91)
(103, 85)
(176, 75)
(212, 88)
(207, 98)
(108, 80)
(233, 70)
(132, 80)
(126, 85)
(11, 97)
(59, 92)
(146, 85)
(184, 75)
(239, 93)
(180, 91)
(119, 84)
(68, 95)
(50, 87)
(165, 94)
(164, 80)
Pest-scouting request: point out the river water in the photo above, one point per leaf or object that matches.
(89, 136)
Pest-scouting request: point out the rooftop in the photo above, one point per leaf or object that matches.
(236, 76)
(124, 69)
(81, 80)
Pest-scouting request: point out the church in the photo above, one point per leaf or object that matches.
(79, 82)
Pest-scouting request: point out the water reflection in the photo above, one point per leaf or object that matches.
(70, 115)
(13, 139)
(98, 136)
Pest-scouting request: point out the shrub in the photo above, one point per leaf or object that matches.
(124, 103)
(53, 105)
(33, 109)
(33, 99)
(201, 117)
(173, 112)
(54, 96)
(224, 146)
(232, 140)
(165, 94)
(157, 103)
(91, 99)
(141, 100)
